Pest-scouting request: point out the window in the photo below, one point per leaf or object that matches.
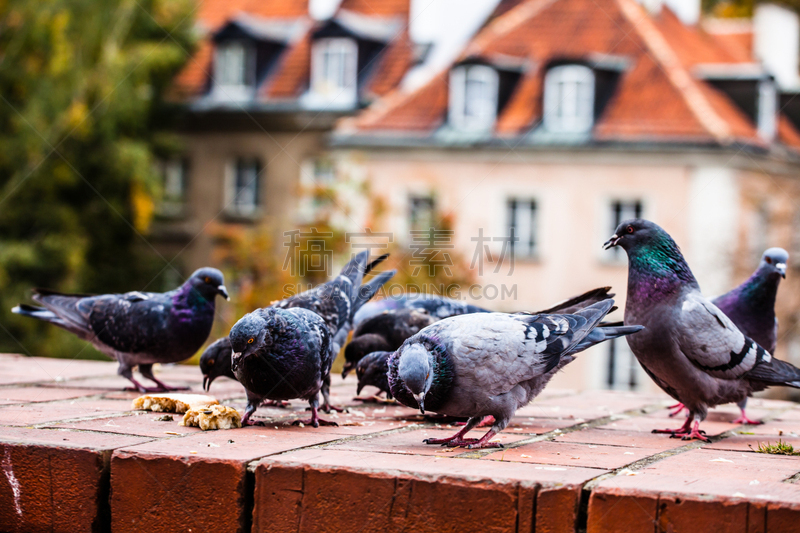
(334, 70)
(421, 213)
(767, 109)
(623, 210)
(473, 97)
(242, 187)
(622, 369)
(173, 174)
(234, 71)
(569, 99)
(522, 227)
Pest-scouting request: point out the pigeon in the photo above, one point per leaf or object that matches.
(216, 362)
(437, 306)
(751, 306)
(384, 332)
(389, 329)
(280, 354)
(138, 328)
(335, 303)
(482, 364)
(371, 370)
(689, 347)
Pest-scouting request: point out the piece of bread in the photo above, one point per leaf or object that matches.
(212, 417)
(172, 402)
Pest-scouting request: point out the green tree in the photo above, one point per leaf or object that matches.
(83, 119)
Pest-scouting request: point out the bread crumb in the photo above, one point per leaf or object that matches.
(212, 417)
(172, 403)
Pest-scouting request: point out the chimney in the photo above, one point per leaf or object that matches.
(688, 11)
(776, 43)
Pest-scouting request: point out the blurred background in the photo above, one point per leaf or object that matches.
(490, 146)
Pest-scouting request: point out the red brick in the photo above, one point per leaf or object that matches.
(61, 479)
(783, 518)
(621, 511)
(333, 499)
(49, 413)
(615, 437)
(677, 514)
(757, 517)
(42, 394)
(563, 453)
(557, 509)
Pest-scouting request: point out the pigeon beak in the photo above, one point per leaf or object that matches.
(359, 389)
(781, 268)
(610, 243)
(224, 292)
(348, 366)
(421, 401)
(235, 358)
(207, 382)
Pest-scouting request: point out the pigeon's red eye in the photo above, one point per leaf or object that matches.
(630, 229)
(768, 260)
(250, 341)
(207, 280)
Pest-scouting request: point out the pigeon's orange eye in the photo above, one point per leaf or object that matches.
(250, 341)
(210, 362)
(207, 280)
(630, 229)
(768, 260)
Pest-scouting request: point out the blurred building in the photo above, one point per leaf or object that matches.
(265, 85)
(558, 119)
(563, 117)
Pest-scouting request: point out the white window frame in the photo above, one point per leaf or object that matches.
(414, 203)
(628, 209)
(523, 218)
(470, 110)
(767, 110)
(340, 87)
(243, 201)
(227, 84)
(174, 183)
(569, 99)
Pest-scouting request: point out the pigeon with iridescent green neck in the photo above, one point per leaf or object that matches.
(689, 347)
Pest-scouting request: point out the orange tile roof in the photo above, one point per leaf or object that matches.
(290, 76)
(657, 97)
(381, 8)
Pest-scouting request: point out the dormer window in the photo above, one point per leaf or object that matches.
(234, 71)
(334, 70)
(569, 99)
(767, 109)
(473, 97)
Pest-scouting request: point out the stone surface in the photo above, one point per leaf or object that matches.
(75, 457)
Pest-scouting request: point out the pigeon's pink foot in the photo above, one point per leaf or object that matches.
(458, 437)
(695, 433)
(327, 408)
(744, 420)
(160, 387)
(315, 420)
(679, 407)
(247, 422)
(485, 423)
(683, 429)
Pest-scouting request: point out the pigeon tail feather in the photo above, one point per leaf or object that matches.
(578, 302)
(604, 333)
(776, 372)
(370, 288)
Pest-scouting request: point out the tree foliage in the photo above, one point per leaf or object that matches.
(83, 119)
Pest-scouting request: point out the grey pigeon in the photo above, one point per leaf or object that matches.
(690, 348)
(478, 365)
(138, 328)
(389, 329)
(372, 370)
(215, 362)
(751, 306)
(280, 354)
(335, 302)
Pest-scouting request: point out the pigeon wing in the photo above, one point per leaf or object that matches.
(711, 341)
(131, 322)
(500, 350)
